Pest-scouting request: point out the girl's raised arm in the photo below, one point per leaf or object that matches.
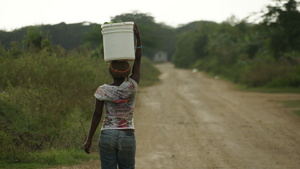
(138, 54)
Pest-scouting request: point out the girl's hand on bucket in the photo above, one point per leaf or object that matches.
(137, 35)
(136, 31)
(87, 146)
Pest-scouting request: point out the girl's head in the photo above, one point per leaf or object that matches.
(119, 69)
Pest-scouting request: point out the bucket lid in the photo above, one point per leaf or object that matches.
(116, 24)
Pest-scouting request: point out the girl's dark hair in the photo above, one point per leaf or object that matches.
(119, 69)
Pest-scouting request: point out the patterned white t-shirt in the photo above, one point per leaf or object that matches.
(119, 102)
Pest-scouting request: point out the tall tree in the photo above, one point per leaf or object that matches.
(33, 38)
(283, 24)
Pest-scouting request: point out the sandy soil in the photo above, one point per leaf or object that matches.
(192, 121)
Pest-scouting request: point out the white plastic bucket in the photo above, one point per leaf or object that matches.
(118, 41)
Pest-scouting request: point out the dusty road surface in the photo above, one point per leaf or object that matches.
(192, 121)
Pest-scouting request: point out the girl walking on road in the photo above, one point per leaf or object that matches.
(117, 139)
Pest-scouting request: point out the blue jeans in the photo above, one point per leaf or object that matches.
(117, 149)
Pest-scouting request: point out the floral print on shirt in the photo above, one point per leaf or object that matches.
(119, 102)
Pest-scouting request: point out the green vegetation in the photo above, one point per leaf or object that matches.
(46, 99)
(264, 55)
(46, 102)
(152, 73)
(52, 157)
(270, 89)
(293, 104)
(69, 36)
(155, 37)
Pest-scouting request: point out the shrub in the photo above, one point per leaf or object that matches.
(43, 98)
(272, 74)
(46, 100)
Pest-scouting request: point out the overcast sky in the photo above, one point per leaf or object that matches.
(18, 13)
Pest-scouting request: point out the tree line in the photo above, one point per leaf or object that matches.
(156, 37)
(254, 54)
(265, 54)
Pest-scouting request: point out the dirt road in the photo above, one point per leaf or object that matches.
(191, 121)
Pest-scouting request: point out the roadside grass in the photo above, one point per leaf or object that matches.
(259, 89)
(50, 158)
(149, 73)
(263, 89)
(293, 104)
(297, 112)
(269, 89)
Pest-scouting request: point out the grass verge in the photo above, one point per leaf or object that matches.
(269, 90)
(294, 105)
(149, 73)
(297, 112)
(50, 158)
(263, 89)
